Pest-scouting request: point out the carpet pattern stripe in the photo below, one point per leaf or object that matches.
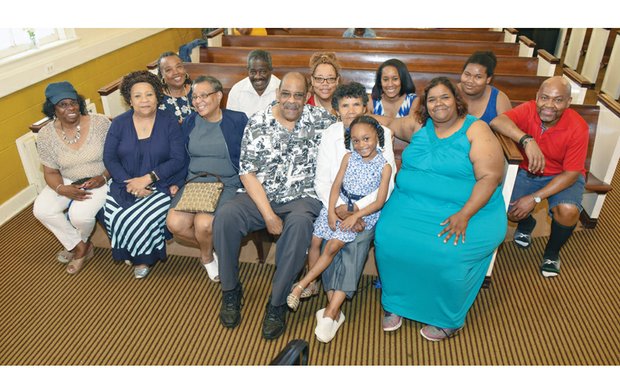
(103, 316)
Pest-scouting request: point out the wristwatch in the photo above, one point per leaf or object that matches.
(153, 177)
(537, 199)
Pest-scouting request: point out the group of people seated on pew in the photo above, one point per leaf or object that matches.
(313, 163)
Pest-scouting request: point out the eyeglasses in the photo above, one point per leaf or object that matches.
(321, 80)
(67, 104)
(284, 95)
(203, 96)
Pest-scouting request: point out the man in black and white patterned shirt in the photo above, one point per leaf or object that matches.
(277, 168)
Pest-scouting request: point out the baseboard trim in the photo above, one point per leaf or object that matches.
(17, 203)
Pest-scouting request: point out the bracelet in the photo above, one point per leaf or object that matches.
(58, 186)
(523, 139)
(526, 142)
(153, 177)
(104, 178)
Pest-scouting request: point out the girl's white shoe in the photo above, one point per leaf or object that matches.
(326, 328)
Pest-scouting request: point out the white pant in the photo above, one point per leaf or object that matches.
(78, 223)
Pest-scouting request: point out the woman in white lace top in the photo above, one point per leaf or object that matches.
(71, 151)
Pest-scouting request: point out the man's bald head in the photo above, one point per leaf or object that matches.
(556, 82)
(552, 99)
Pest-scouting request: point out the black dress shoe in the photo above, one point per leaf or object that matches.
(274, 323)
(230, 310)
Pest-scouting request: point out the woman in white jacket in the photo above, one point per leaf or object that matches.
(340, 279)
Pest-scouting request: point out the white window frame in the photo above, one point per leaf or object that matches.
(80, 46)
(25, 48)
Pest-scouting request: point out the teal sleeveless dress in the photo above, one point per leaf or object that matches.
(422, 278)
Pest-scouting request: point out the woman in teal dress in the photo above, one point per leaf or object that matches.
(446, 216)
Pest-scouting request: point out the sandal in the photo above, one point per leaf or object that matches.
(292, 300)
(311, 290)
(141, 272)
(212, 269)
(75, 265)
(64, 256)
(436, 334)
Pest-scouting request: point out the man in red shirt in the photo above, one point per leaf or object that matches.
(553, 140)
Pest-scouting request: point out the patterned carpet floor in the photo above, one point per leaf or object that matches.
(103, 316)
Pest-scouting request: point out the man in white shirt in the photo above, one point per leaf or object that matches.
(258, 90)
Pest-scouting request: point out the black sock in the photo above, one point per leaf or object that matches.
(559, 235)
(526, 226)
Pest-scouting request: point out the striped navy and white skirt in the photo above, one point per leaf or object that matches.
(138, 233)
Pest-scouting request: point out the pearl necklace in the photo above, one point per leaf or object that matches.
(75, 139)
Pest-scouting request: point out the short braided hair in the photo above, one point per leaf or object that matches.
(365, 120)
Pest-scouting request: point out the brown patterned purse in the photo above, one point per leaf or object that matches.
(200, 196)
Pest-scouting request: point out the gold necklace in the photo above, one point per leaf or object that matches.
(75, 139)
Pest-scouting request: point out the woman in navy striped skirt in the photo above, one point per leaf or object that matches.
(145, 155)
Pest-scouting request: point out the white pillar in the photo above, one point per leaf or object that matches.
(594, 56)
(575, 44)
(611, 81)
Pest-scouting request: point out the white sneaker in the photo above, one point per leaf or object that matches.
(213, 269)
(326, 328)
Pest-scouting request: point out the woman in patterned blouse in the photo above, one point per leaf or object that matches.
(177, 86)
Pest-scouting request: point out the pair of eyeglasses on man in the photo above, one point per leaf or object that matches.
(321, 80)
(67, 104)
(287, 94)
(202, 96)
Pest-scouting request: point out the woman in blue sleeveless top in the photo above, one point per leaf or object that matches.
(437, 233)
(393, 94)
(483, 100)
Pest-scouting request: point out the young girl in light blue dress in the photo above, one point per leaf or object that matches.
(362, 171)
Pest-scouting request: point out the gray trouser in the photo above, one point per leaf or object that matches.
(238, 217)
(345, 270)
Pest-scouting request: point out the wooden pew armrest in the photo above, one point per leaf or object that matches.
(511, 151)
(609, 103)
(595, 185)
(110, 88)
(577, 78)
(216, 32)
(36, 127)
(548, 57)
(527, 42)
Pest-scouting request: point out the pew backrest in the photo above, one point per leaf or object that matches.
(509, 65)
(517, 87)
(461, 35)
(378, 44)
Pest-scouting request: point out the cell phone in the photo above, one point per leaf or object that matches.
(81, 181)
